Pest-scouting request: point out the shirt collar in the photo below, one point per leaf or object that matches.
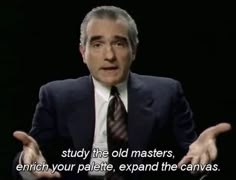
(104, 90)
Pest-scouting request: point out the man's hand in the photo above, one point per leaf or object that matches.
(203, 150)
(31, 154)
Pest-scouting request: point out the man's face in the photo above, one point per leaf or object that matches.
(107, 52)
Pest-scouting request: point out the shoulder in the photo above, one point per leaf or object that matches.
(158, 82)
(66, 83)
(66, 86)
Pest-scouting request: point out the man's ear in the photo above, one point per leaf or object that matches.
(133, 56)
(82, 52)
(134, 52)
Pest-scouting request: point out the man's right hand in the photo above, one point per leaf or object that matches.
(31, 154)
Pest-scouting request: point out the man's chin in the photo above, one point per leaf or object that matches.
(110, 81)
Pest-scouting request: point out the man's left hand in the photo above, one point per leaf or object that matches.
(203, 150)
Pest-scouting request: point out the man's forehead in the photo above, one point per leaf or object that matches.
(107, 29)
(118, 19)
(106, 24)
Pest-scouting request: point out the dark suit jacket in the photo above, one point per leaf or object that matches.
(158, 117)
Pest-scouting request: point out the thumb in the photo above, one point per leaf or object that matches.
(23, 137)
(26, 139)
(219, 128)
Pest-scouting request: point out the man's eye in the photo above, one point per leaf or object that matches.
(120, 43)
(97, 45)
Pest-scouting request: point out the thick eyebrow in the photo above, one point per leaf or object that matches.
(117, 37)
(95, 38)
(121, 38)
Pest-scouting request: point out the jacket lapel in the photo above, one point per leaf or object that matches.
(140, 113)
(82, 119)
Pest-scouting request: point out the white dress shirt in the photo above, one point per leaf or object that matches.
(102, 98)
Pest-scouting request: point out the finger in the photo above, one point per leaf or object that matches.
(185, 160)
(212, 151)
(47, 174)
(29, 156)
(24, 138)
(195, 160)
(204, 159)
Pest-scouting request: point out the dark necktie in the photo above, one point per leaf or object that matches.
(117, 133)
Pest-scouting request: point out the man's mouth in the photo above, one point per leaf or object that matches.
(109, 68)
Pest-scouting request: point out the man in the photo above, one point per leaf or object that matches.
(72, 116)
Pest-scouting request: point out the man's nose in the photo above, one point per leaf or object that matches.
(109, 53)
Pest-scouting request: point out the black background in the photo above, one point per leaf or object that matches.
(193, 43)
